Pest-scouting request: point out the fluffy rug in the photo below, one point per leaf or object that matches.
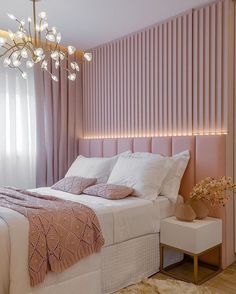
(155, 286)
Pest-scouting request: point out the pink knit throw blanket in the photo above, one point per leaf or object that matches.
(60, 232)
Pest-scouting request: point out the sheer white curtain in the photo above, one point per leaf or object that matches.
(17, 129)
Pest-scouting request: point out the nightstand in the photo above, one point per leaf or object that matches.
(195, 240)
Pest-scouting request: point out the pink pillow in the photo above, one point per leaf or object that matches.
(74, 185)
(109, 191)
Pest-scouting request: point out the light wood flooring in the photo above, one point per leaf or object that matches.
(223, 283)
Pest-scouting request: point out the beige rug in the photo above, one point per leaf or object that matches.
(155, 286)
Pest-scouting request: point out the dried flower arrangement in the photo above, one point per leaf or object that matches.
(215, 191)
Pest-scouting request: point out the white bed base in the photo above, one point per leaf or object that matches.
(116, 267)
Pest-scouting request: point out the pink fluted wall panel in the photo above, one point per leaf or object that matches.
(210, 64)
(169, 79)
(139, 85)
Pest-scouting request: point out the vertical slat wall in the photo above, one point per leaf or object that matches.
(210, 73)
(169, 79)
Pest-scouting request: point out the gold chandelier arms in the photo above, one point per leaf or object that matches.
(26, 48)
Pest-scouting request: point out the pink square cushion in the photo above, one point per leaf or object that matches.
(109, 191)
(74, 185)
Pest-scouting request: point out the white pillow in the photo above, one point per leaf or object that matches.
(94, 167)
(144, 175)
(171, 184)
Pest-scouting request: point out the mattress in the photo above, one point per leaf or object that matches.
(120, 220)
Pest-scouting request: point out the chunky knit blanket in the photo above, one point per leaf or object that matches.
(60, 232)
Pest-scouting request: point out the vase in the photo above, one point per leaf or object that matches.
(199, 208)
(185, 212)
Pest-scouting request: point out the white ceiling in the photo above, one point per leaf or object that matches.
(89, 23)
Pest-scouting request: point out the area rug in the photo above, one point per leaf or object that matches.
(155, 286)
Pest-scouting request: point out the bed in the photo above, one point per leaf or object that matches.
(131, 227)
(128, 225)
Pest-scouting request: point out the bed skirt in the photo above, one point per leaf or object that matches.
(116, 267)
(129, 262)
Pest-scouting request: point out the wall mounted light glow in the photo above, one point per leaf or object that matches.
(214, 133)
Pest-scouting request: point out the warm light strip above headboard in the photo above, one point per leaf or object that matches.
(155, 135)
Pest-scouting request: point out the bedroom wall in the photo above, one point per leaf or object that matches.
(172, 79)
(169, 79)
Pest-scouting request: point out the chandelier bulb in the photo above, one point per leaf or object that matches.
(58, 38)
(71, 50)
(50, 37)
(54, 78)
(57, 64)
(24, 75)
(6, 62)
(44, 65)
(54, 30)
(72, 77)
(24, 53)
(88, 56)
(55, 55)
(11, 16)
(43, 15)
(38, 52)
(44, 26)
(74, 65)
(62, 56)
(16, 63)
(29, 64)
(2, 41)
(15, 55)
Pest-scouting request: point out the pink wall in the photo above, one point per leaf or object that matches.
(169, 79)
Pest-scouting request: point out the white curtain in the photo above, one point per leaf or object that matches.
(17, 129)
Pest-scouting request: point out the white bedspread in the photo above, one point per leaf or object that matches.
(120, 220)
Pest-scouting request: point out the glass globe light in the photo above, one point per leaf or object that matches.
(29, 64)
(24, 75)
(88, 56)
(72, 77)
(71, 49)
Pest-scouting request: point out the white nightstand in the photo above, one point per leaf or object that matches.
(194, 239)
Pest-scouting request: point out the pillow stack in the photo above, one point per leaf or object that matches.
(142, 174)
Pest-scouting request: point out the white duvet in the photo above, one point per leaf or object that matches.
(120, 220)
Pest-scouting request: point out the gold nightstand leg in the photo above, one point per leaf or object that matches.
(195, 260)
(161, 256)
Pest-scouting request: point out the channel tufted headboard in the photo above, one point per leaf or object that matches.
(208, 158)
(207, 153)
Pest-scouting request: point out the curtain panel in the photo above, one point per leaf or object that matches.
(17, 129)
(58, 122)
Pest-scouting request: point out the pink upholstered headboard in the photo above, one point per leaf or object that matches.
(207, 153)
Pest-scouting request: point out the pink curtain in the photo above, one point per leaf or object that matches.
(58, 123)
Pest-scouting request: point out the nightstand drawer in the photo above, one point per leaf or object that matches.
(194, 237)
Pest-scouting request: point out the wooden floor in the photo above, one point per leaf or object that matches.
(223, 283)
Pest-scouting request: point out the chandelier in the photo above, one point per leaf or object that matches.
(33, 42)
